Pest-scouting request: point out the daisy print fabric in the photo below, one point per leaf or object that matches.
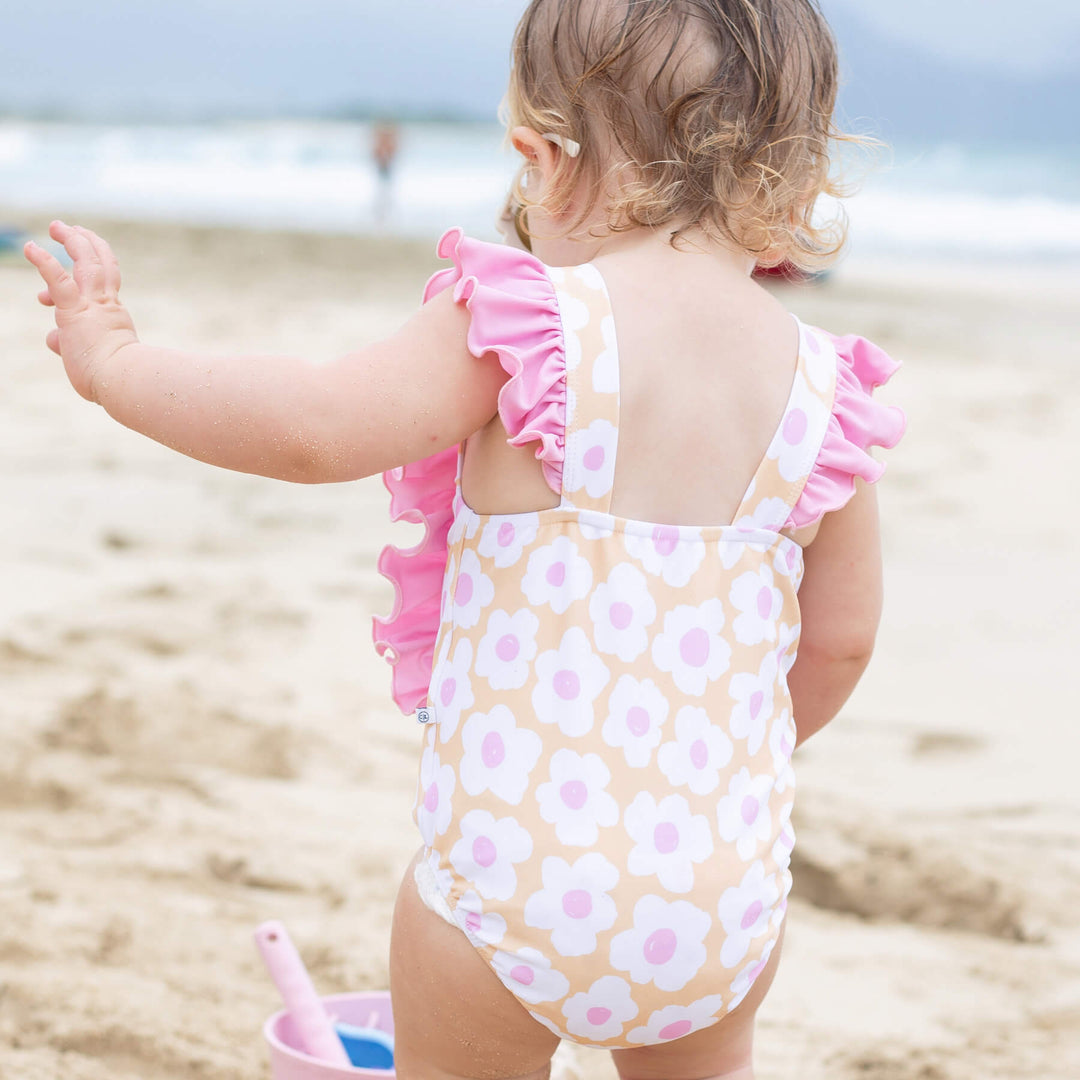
(606, 797)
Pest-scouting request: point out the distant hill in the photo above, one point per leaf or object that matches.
(905, 92)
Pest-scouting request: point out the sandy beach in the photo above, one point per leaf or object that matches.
(196, 735)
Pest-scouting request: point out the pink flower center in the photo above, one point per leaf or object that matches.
(598, 1015)
(594, 458)
(463, 592)
(474, 922)
(795, 427)
(505, 535)
(752, 914)
(699, 754)
(764, 602)
(574, 794)
(556, 575)
(508, 648)
(621, 615)
(660, 946)
(637, 720)
(750, 807)
(431, 799)
(666, 837)
(756, 699)
(676, 1030)
(577, 904)
(665, 539)
(483, 851)
(523, 975)
(493, 750)
(694, 647)
(448, 690)
(567, 685)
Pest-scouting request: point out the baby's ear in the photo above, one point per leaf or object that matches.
(535, 149)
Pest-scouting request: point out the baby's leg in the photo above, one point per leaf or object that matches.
(453, 1019)
(721, 1052)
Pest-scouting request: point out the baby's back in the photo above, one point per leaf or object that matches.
(706, 362)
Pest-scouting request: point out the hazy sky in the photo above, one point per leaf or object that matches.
(1026, 36)
(251, 54)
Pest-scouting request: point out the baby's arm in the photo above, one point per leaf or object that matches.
(840, 599)
(394, 402)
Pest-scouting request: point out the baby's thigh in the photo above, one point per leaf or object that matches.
(452, 1016)
(724, 1050)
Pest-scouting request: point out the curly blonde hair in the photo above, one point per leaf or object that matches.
(715, 114)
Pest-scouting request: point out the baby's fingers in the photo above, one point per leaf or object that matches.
(104, 253)
(52, 339)
(62, 288)
(87, 270)
(45, 298)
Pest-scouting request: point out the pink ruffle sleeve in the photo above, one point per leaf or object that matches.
(856, 424)
(515, 315)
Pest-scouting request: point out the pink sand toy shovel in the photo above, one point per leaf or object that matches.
(308, 1042)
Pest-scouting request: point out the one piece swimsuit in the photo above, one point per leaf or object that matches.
(606, 786)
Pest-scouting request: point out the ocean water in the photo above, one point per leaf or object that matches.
(982, 203)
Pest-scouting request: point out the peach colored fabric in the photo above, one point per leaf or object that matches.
(515, 315)
(605, 791)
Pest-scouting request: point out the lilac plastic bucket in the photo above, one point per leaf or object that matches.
(289, 1062)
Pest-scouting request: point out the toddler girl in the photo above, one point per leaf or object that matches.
(642, 485)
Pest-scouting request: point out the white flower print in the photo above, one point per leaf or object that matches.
(819, 358)
(557, 575)
(666, 945)
(574, 903)
(700, 750)
(637, 711)
(486, 853)
(785, 841)
(473, 591)
(787, 648)
(799, 438)
(605, 373)
(744, 911)
(753, 709)
(446, 606)
(574, 799)
(742, 815)
(668, 840)
(668, 551)
(621, 609)
(451, 688)
(590, 458)
(568, 681)
(788, 562)
(498, 755)
(465, 521)
(782, 739)
(759, 604)
(601, 1012)
(731, 551)
(596, 526)
(507, 649)
(691, 648)
(480, 927)
(444, 880)
(528, 975)
(746, 978)
(574, 315)
(571, 408)
(433, 811)
(505, 538)
(675, 1021)
(770, 514)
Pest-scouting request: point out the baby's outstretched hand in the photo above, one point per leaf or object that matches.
(91, 323)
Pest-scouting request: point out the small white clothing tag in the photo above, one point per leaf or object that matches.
(425, 715)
